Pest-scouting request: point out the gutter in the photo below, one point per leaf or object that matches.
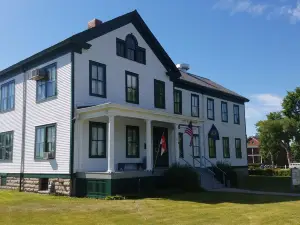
(23, 129)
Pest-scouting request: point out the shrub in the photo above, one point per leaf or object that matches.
(270, 172)
(115, 197)
(181, 177)
(254, 166)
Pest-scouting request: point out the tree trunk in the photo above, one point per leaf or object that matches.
(272, 160)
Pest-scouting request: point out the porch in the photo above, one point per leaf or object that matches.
(115, 141)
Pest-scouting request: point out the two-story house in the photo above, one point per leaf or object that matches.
(87, 114)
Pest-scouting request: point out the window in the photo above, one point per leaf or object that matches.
(3, 180)
(44, 184)
(195, 105)
(159, 94)
(45, 140)
(196, 145)
(210, 109)
(120, 48)
(238, 149)
(212, 148)
(132, 142)
(181, 153)
(97, 79)
(236, 114)
(224, 110)
(226, 150)
(46, 88)
(6, 145)
(141, 55)
(132, 87)
(7, 96)
(177, 101)
(129, 49)
(97, 140)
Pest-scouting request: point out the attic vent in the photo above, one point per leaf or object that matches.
(94, 23)
(183, 67)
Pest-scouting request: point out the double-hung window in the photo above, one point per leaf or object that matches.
(46, 88)
(177, 101)
(238, 148)
(226, 149)
(159, 94)
(7, 96)
(6, 145)
(212, 148)
(132, 142)
(45, 140)
(195, 105)
(196, 146)
(236, 114)
(210, 109)
(97, 79)
(224, 111)
(97, 140)
(132, 87)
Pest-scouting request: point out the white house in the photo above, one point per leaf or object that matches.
(87, 114)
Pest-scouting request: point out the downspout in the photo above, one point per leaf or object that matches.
(72, 121)
(23, 129)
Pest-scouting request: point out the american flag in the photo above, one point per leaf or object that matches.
(189, 131)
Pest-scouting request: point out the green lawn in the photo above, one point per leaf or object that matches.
(199, 208)
(267, 183)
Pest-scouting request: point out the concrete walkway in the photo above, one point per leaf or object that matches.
(235, 190)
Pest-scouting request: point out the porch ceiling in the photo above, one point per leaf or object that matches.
(112, 109)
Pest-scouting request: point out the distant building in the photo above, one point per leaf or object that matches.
(253, 154)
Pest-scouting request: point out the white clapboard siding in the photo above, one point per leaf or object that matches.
(103, 50)
(12, 121)
(52, 111)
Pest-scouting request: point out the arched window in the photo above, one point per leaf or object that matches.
(131, 47)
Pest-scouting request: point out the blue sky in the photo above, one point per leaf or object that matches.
(249, 46)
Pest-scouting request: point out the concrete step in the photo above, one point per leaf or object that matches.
(208, 181)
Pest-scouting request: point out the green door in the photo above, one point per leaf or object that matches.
(161, 160)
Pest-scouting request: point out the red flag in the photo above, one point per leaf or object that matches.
(163, 144)
(189, 131)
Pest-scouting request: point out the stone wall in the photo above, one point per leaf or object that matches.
(60, 186)
(11, 183)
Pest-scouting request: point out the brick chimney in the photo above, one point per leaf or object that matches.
(93, 23)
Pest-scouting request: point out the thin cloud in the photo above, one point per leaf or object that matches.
(288, 9)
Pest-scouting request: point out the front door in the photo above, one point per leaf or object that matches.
(161, 160)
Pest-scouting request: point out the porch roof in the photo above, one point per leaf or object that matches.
(113, 109)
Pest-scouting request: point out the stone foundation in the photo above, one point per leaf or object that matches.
(12, 183)
(60, 186)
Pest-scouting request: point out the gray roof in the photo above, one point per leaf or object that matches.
(206, 83)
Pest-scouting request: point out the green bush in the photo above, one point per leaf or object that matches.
(181, 177)
(115, 197)
(270, 172)
(254, 166)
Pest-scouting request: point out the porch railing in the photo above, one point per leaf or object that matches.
(215, 166)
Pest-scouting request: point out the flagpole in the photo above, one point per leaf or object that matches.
(157, 154)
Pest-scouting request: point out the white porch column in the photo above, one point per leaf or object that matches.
(176, 131)
(149, 146)
(111, 145)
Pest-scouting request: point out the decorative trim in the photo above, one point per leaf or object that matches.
(197, 97)
(213, 108)
(36, 86)
(180, 101)
(93, 63)
(97, 125)
(226, 104)
(13, 108)
(137, 130)
(44, 126)
(137, 87)
(37, 175)
(159, 82)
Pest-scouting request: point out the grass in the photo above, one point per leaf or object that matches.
(190, 208)
(266, 183)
